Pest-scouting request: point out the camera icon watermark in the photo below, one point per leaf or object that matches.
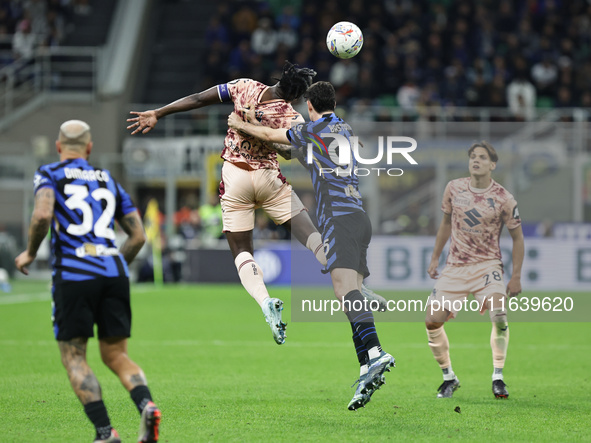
(341, 151)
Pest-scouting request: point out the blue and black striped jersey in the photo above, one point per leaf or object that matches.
(336, 186)
(87, 201)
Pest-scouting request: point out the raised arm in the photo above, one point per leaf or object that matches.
(136, 237)
(514, 285)
(443, 234)
(146, 120)
(40, 221)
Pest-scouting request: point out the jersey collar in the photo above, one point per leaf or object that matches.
(479, 190)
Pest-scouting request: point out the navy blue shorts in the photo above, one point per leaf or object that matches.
(79, 305)
(346, 239)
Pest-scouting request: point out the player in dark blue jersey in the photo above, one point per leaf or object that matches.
(90, 276)
(345, 227)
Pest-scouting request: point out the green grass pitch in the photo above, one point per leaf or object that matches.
(217, 375)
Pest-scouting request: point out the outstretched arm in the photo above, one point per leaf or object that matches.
(514, 285)
(261, 132)
(133, 227)
(40, 221)
(443, 235)
(146, 120)
(285, 151)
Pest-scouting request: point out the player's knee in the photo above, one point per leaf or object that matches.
(433, 325)
(72, 353)
(340, 293)
(340, 288)
(107, 358)
(498, 316)
(435, 319)
(112, 358)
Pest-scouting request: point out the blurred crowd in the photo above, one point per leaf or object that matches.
(514, 54)
(200, 224)
(26, 25)
(196, 226)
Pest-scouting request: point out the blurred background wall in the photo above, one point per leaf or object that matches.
(447, 73)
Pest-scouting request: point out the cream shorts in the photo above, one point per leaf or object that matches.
(243, 190)
(457, 282)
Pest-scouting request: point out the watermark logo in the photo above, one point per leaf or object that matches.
(341, 149)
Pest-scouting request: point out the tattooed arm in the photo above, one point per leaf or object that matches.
(285, 151)
(132, 225)
(40, 221)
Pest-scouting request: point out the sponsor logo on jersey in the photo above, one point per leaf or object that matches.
(472, 217)
(516, 213)
(90, 249)
(39, 180)
(461, 201)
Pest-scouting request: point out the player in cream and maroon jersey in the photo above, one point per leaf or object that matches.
(477, 217)
(274, 113)
(475, 210)
(250, 175)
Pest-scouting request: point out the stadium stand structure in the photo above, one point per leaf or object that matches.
(187, 46)
(175, 50)
(92, 29)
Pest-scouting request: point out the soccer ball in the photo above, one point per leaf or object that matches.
(344, 40)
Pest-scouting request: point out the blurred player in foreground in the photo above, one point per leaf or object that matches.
(475, 209)
(90, 275)
(346, 228)
(251, 177)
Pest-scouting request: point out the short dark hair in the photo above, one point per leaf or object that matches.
(294, 81)
(484, 144)
(321, 96)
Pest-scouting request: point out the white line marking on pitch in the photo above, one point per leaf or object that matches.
(294, 344)
(15, 299)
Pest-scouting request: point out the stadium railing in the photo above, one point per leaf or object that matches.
(213, 120)
(65, 71)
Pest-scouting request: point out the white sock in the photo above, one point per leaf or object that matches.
(314, 244)
(374, 352)
(499, 341)
(251, 276)
(448, 374)
(363, 370)
(497, 374)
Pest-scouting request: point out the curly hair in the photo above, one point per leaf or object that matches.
(294, 81)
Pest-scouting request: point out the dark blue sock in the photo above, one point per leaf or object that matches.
(362, 355)
(361, 319)
(97, 414)
(141, 396)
